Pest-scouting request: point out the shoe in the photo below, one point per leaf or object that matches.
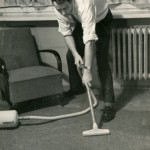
(71, 93)
(109, 114)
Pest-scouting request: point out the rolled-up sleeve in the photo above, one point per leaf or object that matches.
(88, 19)
(64, 24)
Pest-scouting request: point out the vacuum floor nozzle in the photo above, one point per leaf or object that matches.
(93, 132)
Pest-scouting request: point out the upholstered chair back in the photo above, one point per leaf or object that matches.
(17, 48)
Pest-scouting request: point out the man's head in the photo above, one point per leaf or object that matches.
(58, 1)
(63, 6)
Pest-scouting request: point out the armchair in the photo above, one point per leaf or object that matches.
(22, 74)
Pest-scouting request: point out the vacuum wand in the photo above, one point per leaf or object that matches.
(90, 102)
(95, 130)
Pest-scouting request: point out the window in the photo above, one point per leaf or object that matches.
(12, 10)
(130, 1)
(130, 8)
(28, 6)
(22, 10)
(17, 3)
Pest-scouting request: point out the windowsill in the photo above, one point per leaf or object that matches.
(28, 17)
(127, 11)
(26, 14)
(121, 11)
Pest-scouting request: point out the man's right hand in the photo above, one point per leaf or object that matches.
(78, 60)
(87, 77)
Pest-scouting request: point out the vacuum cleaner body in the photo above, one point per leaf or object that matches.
(8, 119)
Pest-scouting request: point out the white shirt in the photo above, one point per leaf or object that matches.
(88, 13)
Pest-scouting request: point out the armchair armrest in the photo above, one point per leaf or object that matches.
(4, 85)
(3, 68)
(57, 56)
(3, 75)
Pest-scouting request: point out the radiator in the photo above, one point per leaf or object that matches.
(131, 52)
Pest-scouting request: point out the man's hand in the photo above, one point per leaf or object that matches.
(87, 77)
(78, 60)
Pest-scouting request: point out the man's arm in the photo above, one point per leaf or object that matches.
(71, 45)
(86, 10)
(89, 55)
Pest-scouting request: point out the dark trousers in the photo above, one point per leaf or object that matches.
(103, 30)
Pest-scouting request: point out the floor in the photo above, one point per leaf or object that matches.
(130, 130)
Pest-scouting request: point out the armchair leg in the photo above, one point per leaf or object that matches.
(5, 97)
(4, 105)
(60, 99)
(2, 95)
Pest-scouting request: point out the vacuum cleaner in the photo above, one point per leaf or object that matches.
(10, 118)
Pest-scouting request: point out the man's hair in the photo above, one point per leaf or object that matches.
(59, 1)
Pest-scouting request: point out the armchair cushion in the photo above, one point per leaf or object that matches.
(34, 82)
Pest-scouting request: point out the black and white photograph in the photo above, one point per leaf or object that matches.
(74, 74)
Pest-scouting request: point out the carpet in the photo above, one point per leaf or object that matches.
(130, 130)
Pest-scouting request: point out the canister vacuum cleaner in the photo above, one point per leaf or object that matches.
(10, 118)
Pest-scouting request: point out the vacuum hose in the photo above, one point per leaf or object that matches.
(10, 118)
(62, 116)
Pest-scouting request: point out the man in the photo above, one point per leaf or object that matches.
(93, 23)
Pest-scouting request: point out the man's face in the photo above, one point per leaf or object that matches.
(64, 8)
